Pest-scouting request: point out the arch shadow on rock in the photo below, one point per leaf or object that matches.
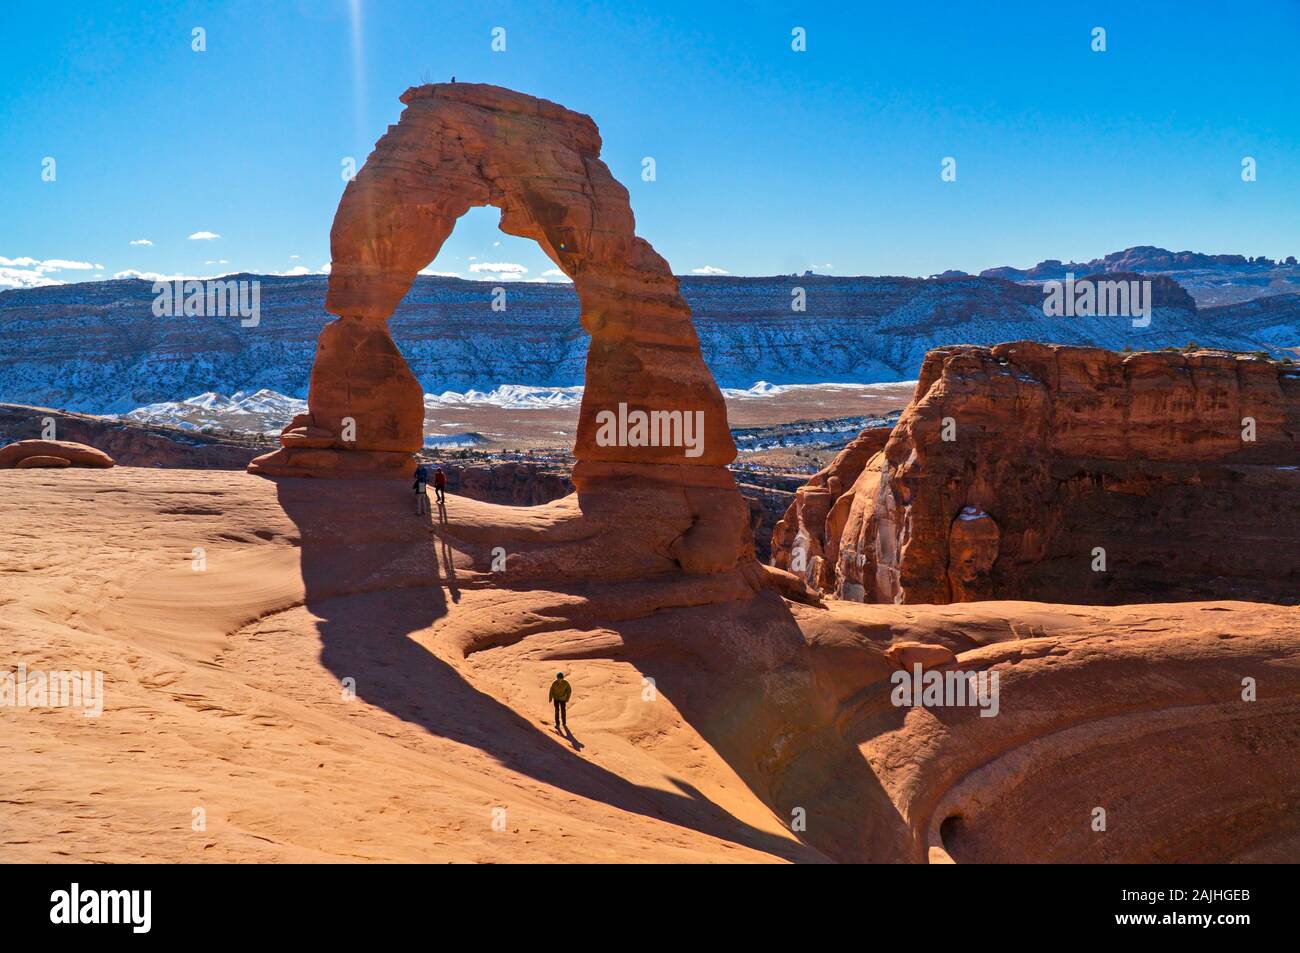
(371, 596)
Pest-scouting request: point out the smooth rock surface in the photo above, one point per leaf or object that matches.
(227, 684)
(77, 454)
(42, 462)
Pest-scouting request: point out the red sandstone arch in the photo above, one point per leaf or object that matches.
(455, 147)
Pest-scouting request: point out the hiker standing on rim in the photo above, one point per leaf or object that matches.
(420, 486)
(561, 691)
(440, 484)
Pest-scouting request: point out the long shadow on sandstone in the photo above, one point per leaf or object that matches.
(744, 676)
(375, 573)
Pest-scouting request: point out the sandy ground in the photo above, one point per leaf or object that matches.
(219, 696)
(307, 671)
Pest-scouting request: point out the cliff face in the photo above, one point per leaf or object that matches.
(806, 539)
(511, 483)
(130, 444)
(1030, 471)
(97, 348)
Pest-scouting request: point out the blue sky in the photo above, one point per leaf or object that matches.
(768, 160)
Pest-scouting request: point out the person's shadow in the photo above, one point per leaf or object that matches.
(373, 578)
(567, 734)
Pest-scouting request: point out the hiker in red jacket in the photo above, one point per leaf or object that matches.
(440, 484)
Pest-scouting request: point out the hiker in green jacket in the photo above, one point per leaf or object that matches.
(560, 693)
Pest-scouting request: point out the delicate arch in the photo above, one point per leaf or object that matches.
(458, 146)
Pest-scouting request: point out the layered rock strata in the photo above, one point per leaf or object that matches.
(1064, 474)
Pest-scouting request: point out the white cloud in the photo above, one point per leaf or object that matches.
(499, 267)
(298, 270)
(203, 236)
(22, 278)
(295, 256)
(439, 274)
(27, 272)
(709, 270)
(217, 261)
(141, 241)
(556, 273)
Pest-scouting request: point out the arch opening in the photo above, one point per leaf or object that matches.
(491, 314)
(651, 413)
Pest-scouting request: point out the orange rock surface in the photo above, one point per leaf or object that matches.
(323, 674)
(806, 540)
(342, 680)
(42, 462)
(74, 454)
(1067, 474)
(652, 430)
(458, 146)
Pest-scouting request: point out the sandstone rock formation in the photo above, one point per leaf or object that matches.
(45, 452)
(651, 416)
(973, 540)
(464, 145)
(42, 462)
(131, 443)
(806, 540)
(925, 654)
(763, 707)
(1138, 710)
(1081, 475)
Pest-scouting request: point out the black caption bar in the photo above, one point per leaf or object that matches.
(134, 904)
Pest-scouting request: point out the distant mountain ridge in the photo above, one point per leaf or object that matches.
(96, 347)
(1211, 279)
(1138, 258)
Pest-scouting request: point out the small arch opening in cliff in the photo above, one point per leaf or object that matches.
(950, 834)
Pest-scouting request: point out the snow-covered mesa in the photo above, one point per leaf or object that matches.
(453, 441)
(764, 389)
(267, 411)
(263, 410)
(101, 350)
(509, 397)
